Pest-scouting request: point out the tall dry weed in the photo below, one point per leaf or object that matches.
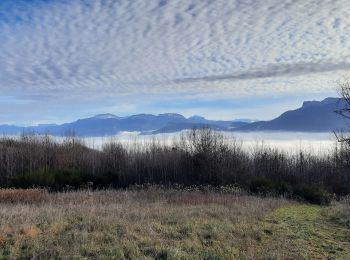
(23, 195)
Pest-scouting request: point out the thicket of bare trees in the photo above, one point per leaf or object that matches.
(201, 157)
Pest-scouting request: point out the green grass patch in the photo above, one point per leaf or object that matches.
(310, 230)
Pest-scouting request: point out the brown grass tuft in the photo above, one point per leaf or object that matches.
(30, 232)
(23, 195)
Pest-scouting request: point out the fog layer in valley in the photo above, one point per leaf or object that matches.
(287, 141)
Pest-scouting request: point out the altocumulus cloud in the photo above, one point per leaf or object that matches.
(110, 47)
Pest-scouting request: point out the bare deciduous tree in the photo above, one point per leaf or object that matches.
(344, 92)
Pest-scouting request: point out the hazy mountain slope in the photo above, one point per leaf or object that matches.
(313, 116)
(11, 129)
(108, 124)
(176, 127)
(97, 126)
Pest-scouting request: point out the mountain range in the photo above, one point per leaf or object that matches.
(312, 116)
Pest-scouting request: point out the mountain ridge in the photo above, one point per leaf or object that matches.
(110, 124)
(312, 116)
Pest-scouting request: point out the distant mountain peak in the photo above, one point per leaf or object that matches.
(310, 103)
(329, 100)
(104, 116)
(197, 118)
(171, 115)
(313, 116)
(141, 116)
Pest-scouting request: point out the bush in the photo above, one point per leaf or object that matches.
(313, 194)
(265, 186)
(283, 188)
(53, 179)
(262, 186)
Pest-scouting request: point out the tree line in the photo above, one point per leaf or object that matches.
(199, 157)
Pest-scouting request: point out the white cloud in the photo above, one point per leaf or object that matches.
(64, 59)
(127, 47)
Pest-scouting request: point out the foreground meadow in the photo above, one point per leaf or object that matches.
(158, 224)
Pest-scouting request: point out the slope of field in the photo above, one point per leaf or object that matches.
(157, 224)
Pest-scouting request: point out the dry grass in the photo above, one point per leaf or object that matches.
(152, 224)
(23, 195)
(132, 224)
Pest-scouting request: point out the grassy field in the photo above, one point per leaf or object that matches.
(156, 224)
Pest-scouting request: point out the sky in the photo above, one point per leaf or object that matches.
(225, 59)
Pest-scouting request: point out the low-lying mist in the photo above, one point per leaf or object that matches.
(319, 143)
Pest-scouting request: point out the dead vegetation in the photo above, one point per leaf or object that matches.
(23, 195)
(155, 223)
(132, 225)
